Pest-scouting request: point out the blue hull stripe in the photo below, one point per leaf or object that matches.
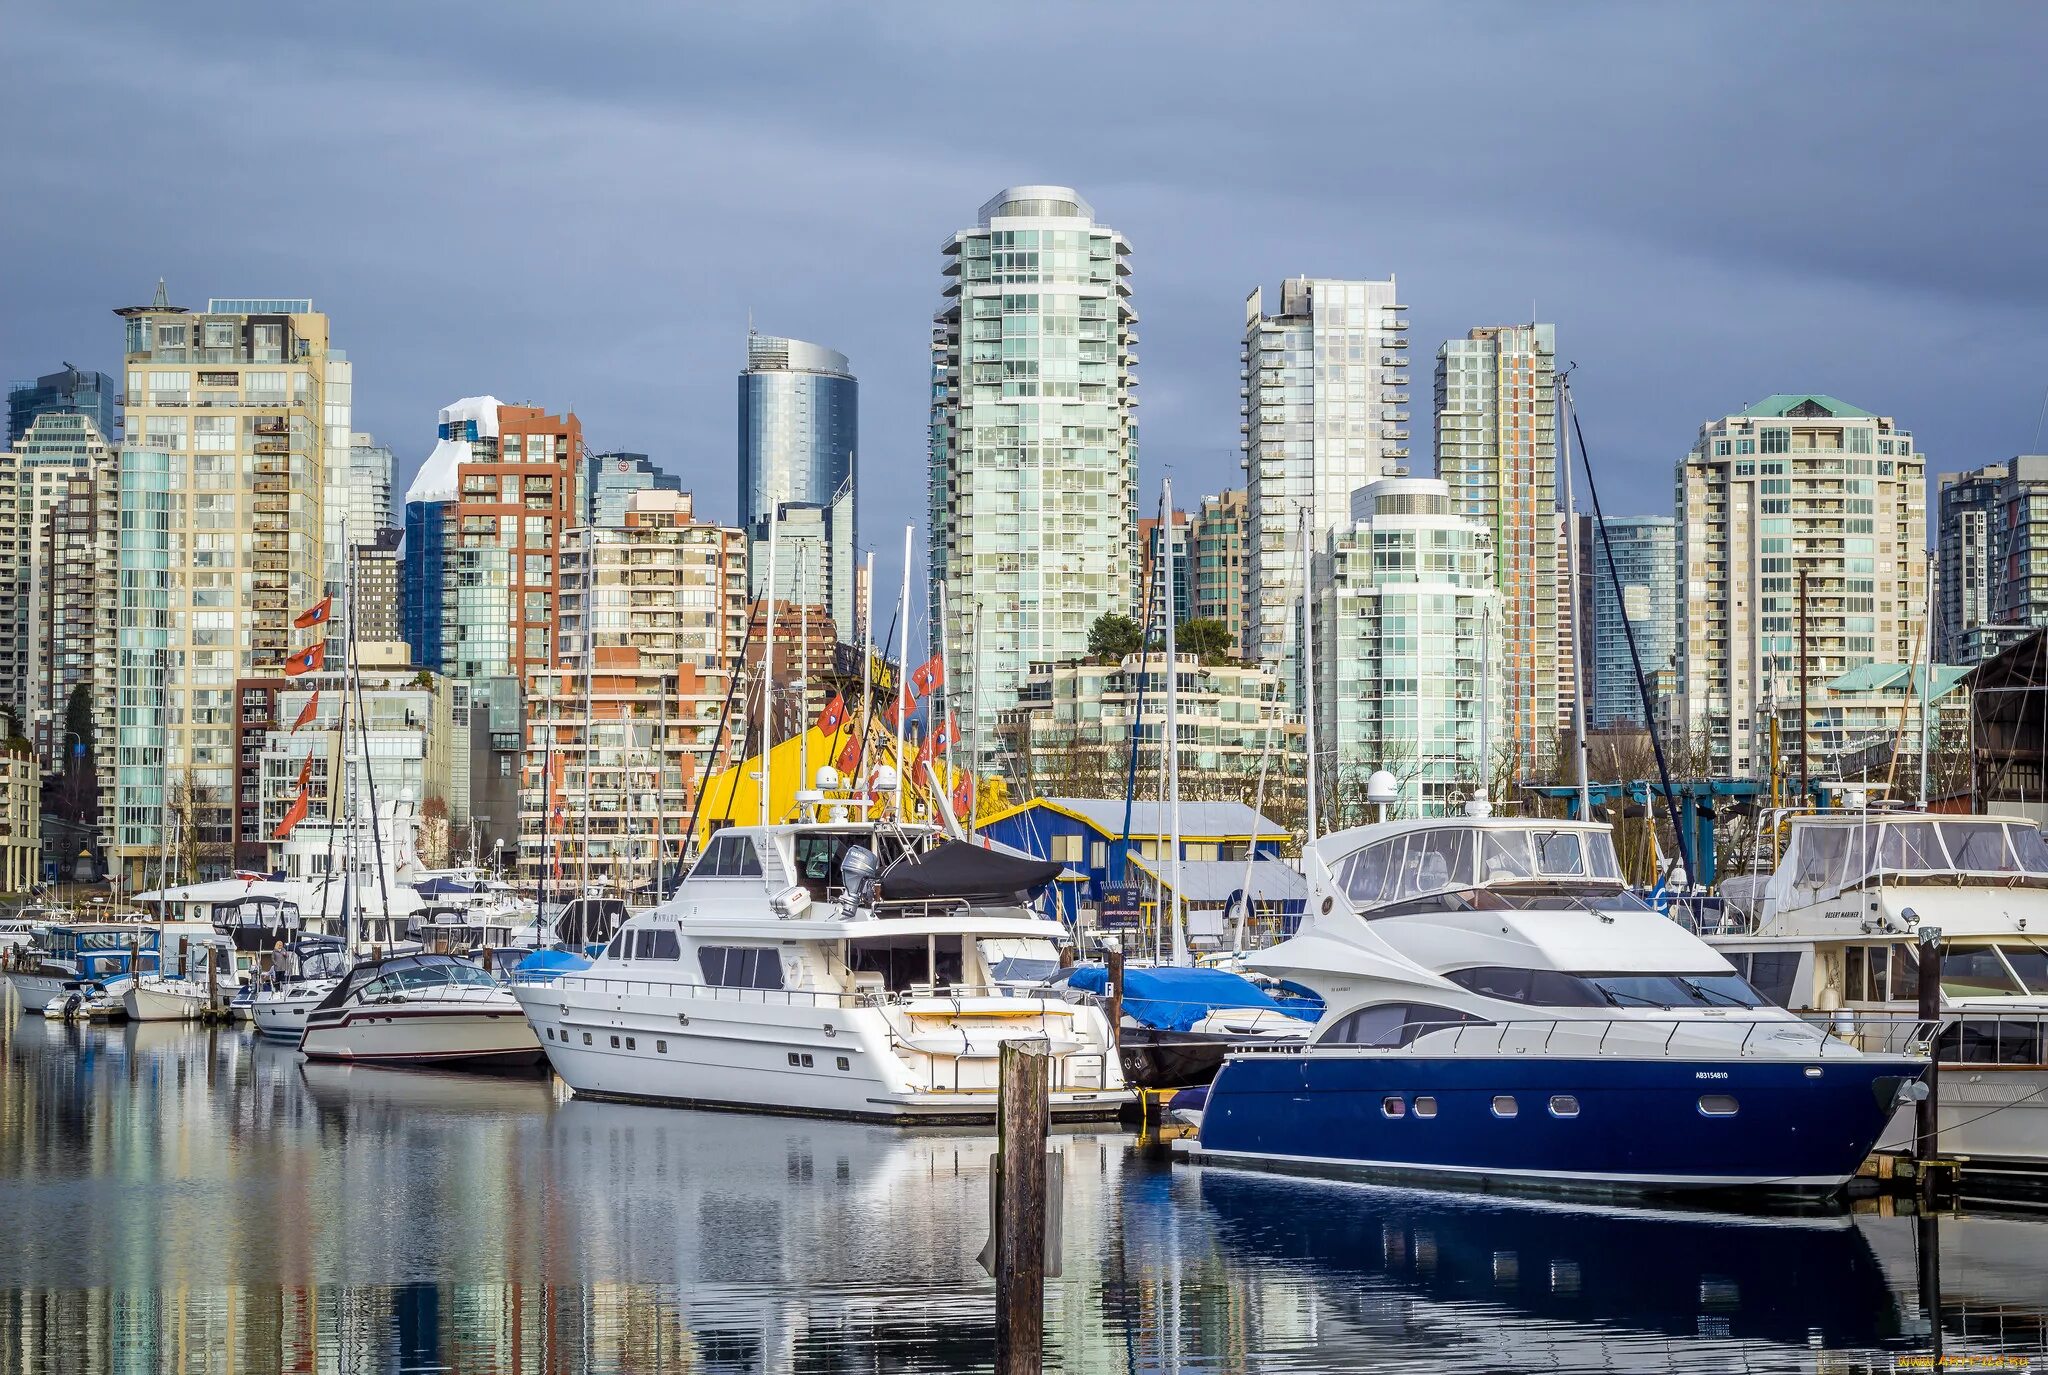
(1638, 1123)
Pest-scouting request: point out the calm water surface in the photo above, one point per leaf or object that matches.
(189, 1200)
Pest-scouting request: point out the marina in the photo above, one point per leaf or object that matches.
(196, 1198)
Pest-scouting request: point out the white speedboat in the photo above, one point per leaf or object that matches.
(1501, 1011)
(1836, 937)
(422, 1009)
(280, 1000)
(195, 979)
(832, 968)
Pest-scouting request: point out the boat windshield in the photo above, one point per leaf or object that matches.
(1555, 988)
(1994, 971)
(1019, 959)
(1841, 856)
(1447, 859)
(427, 977)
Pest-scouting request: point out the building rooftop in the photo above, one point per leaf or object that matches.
(1894, 678)
(1791, 403)
(773, 353)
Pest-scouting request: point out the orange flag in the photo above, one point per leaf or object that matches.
(315, 614)
(833, 716)
(306, 661)
(293, 815)
(305, 773)
(308, 711)
(849, 757)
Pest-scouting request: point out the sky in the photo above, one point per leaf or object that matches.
(584, 206)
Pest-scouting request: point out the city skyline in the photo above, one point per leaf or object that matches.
(1776, 296)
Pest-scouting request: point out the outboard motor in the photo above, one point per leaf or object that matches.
(857, 871)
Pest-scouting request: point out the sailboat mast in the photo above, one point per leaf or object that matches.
(768, 670)
(1561, 394)
(867, 657)
(1308, 676)
(1180, 941)
(902, 670)
(350, 900)
(803, 677)
(589, 694)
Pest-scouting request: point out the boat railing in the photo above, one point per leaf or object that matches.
(433, 993)
(1692, 1038)
(1967, 1036)
(634, 986)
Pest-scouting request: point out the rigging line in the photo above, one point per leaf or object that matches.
(1138, 714)
(732, 682)
(1635, 655)
(867, 708)
(2041, 417)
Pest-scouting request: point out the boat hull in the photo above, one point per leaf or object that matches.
(35, 991)
(284, 1018)
(1171, 1059)
(459, 1034)
(151, 1002)
(1634, 1125)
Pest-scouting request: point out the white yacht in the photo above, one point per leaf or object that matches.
(190, 980)
(838, 968)
(1836, 935)
(279, 1001)
(420, 1009)
(1500, 1010)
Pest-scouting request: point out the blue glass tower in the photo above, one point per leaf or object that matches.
(74, 391)
(1646, 558)
(799, 439)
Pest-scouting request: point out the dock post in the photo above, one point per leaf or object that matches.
(1113, 964)
(212, 984)
(1022, 1115)
(1927, 1112)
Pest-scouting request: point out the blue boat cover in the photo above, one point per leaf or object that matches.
(551, 962)
(1174, 999)
(444, 888)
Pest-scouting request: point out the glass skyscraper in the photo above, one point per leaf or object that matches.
(609, 481)
(1645, 550)
(799, 440)
(73, 391)
(1034, 446)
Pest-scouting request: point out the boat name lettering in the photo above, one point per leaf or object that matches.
(1711, 1074)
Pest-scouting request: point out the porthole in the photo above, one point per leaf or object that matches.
(793, 1059)
(1394, 1105)
(661, 1047)
(807, 1061)
(1718, 1104)
(586, 1038)
(845, 1063)
(1563, 1105)
(1504, 1105)
(615, 1043)
(1425, 1107)
(632, 1043)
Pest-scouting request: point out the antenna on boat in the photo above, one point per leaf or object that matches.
(768, 670)
(1180, 938)
(903, 670)
(1563, 398)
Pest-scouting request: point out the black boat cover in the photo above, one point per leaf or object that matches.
(967, 872)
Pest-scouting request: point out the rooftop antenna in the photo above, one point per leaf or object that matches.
(163, 300)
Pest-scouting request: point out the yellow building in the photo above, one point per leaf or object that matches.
(21, 830)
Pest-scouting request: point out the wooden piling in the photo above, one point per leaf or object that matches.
(1023, 1116)
(1113, 962)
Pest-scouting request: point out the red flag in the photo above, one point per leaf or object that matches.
(898, 712)
(293, 815)
(928, 675)
(308, 711)
(961, 796)
(942, 735)
(305, 661)
(834, 715)
(849, 758)
(305, 773)
(315, 614)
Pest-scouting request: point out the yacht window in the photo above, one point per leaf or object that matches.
(1563, 1105)
(1019, 959)
(2031, 850)
(1365, 879)
(2030, 962)
(1425, 1107)
(1504, 1105)
(1818, 857)
(817, 862)
(621, 947)
(1911, 845)
(1389, 1025)
(1717, 1105)
(1603, 862)
(1771, 974)
(1976, 971)
(1979, 847)
(1675, 990)
(1905, 972)
(1542, 987)
(1852, 972)
(1557, 852)
(729, 856)
(1876, 961)
(1505, 856)
(1436, 860)
(740, 966)
(660, 944)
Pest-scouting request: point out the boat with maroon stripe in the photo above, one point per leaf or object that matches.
(423, 1009)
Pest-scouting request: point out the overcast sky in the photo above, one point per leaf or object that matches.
(582, 205)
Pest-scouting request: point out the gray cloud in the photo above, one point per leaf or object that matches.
(581, 206)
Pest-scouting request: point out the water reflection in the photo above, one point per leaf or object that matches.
(191, 1199)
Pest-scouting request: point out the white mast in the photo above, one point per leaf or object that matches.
(902, 669)
(1926, 693)
(803, 677)
(1251, 850)
(946, 677)
(1562, 394)
(1308, 674)
(768, 667)
(589, 692)
(351, 898)
(867, 661)
(1180, 940)
(974, 707)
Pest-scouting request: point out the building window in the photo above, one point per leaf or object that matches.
(1776, 440)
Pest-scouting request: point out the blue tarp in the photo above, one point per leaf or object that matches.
(444, 888)
(545, 962)
(1172, 999)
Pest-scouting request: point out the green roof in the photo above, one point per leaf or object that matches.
(1893, 678)
(1784, 403)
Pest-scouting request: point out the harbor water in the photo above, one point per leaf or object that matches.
(177, 1198)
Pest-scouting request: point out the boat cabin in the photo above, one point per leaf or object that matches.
(1462, 864)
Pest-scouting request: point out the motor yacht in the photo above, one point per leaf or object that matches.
(29, 925)
(1501, 1011)
(423, 1009)
(1836, 936)
(280, 999)
(845, 969)
(83, 961)
(198, 976)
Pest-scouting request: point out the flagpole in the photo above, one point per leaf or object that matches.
(946, 679)
(867, 658)
(349, 900)
(589, 697)
(803, 676)
(902, 669)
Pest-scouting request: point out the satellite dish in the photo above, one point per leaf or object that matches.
(828, 778)
(1382, 787)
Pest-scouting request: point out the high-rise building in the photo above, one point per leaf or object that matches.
(1802, 543)
(799, 441)
(59, 585)
(1152, 544)
(814, 559)
(1034, 444)
(1408, 653)
(376, 588)
(1645, 553)
(1991, 542)
(1325, 412)
(484, 523)
(73, 391)
(230, 424)
(632, 715)
(369, 488)
(1496, 450)
(1220, 563)
(609, 481)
